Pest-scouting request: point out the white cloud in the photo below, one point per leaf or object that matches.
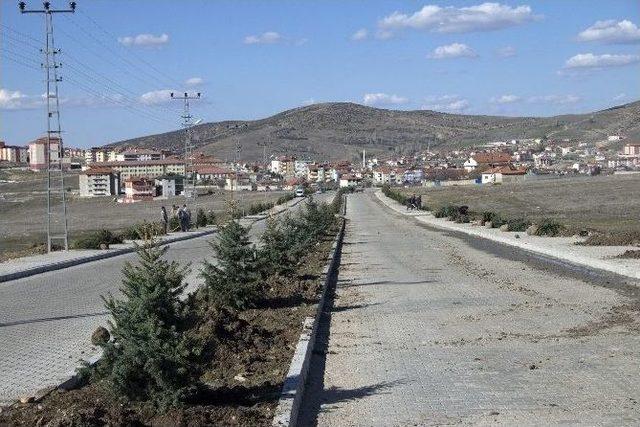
(360, 35)
(555, 99)
(620, 97)
(269, 37)
(611, 31)
(589, 60)
(194, 81)
(506, 52)
(384, 34)
(156, 97)
(505, 99)
(446, 103)
(383, 99)
(145, 40)
(14, 100)
(454, 50)
(450, 19)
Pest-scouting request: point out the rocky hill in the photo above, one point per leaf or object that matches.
(341, 130)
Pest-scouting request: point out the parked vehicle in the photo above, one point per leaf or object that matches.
(300, 192)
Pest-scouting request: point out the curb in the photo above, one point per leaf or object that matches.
(286, 414)
(77, 261)
(549, 255)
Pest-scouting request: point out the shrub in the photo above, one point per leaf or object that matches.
(174, 223)
(149, 357)
(613, 239)
(95, 239)
(496, 219)
(211, 218)
(395, 195)
(549, 227)
(449, 211)
(518, 224)
(201, 218)
(233, 282)
(143, 231)
(285, 198)
(256, 208)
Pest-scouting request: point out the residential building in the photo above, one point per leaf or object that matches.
(316, 173)
(487, 160)
(138, 155)
(239, 182)
(632, 150)
(39, 155)
(349, 180)
(13, 153)
(99, 181)
(137, 189)
(284, 165)
(503, 174)
(212, 173)
(168, 186)
(147, 169)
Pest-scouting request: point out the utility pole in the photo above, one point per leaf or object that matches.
(56, 219)
(189, 184)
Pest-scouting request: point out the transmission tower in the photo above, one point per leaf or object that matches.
(57, 226)
(189, 189)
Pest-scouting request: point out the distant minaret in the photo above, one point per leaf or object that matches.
(364, 159)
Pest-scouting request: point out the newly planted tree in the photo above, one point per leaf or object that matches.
(233, 282)
(149, 356)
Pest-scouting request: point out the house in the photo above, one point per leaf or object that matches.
(349, 180)
(99, 181)
(543, 159)
(212, 173)
(284, 165)
(502, 174)
(239, 182)
(487, 160)
(168, 186)
(137, 189)
(316, 173)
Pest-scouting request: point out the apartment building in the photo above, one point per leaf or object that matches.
(13, 153)
(99, 181)
(147, 169)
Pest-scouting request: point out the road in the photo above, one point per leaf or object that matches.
(46, 320)
(432, 328)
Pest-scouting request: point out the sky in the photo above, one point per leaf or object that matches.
(251, 59)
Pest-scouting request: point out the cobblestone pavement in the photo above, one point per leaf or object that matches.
(46, 320)
(428, 328)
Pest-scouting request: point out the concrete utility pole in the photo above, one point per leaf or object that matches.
(189, 184)
(56, 219)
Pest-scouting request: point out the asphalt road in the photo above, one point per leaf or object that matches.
(432, 328)
(46, 320)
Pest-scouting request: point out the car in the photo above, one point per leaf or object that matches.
(299, 192)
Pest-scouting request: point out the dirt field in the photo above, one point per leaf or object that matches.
(23, 208)
(603, 203)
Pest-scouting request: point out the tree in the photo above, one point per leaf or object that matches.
(280, 246)
(149, 356)
(233, 281)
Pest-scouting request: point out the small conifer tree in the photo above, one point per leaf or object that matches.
(149, 357)
(233, 281)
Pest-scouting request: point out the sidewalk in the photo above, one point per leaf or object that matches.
(36, 264)
(561, 248)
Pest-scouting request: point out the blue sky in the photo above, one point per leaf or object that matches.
(251, 59)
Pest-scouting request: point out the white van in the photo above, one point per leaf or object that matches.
(299, 192)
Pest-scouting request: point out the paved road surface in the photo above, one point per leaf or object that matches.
(433, 328)
(46, 320)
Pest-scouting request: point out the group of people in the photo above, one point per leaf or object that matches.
(182, 213)
(414, 202)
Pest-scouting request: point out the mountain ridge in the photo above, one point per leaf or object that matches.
(341, 130)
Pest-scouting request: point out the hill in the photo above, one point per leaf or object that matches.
(341, 130)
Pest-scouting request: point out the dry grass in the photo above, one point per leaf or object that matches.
(606, 204)
(22, 210)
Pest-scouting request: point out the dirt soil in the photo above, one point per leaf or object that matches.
(599, 203)
(250, 352)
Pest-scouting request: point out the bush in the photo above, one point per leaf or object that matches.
(518, 224)
(143, 231)
(613, 239)
(233, 282)
(496, 219)
(449, 211)
(211, 218)
(395, 195)
(201, 218)
(549, 227)
(285, 198)
(149, 357)
(95, 239)
(256, 208)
